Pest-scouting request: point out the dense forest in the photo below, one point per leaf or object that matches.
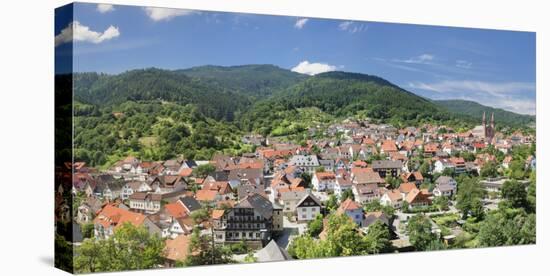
(160, 114)
(344, 95)
(251, 80)
(154, 84)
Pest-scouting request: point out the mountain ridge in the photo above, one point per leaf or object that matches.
(475, 109)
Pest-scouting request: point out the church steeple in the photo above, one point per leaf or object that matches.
(493, 120)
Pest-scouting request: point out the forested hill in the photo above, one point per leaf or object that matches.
(474, 109)
(211, 100)
(342, 94)
(251, 80)
(158, 114)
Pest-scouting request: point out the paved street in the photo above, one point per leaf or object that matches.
(291, 229)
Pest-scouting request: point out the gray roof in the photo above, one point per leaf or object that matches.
(293, 195)
(304, 160)
(245, 190)
(315, 199)
(190, 203)
(220, 175)
(445, 187)
(326, 162)
(443, 180)
(384, 164)
(190, 163)
(372, 217)
(259, 203)
(103, 181)
(239, 174)
(272, 253)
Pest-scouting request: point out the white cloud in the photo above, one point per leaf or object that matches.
(517, 97)
(463, 64)
(344, 26)
(311, 69)
(78, 32)
(160, 14)
(104, 8)
(497, 89)
(300, 23)
(352, 27)
(421, 59)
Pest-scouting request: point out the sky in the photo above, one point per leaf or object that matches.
(494, 68)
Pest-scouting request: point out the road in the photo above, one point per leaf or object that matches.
(290, 229)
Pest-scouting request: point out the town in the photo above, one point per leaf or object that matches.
(400, 189)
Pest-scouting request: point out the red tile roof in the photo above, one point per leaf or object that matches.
(175, 209)
(114, 216)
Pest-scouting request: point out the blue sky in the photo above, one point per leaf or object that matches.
(494, 68)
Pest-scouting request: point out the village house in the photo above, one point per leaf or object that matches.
(307, 163)
(145, 202)
(107, 187)
(327, 164)
(392, 198)
(308, 208)
(445, 186)
(363, 176)
(343, 183)
(252, 220)
(353, 210)
(365, 193)
(149, 202)
(87, 210)
(387, 147)
(289, 200)
(175, 220)
(323, 181)
(134, 186)
(111, 218)
(417, 198)
(387, 168)
(415, 177)
(254, 176)
(406, 188)
(168, 183)
(372, 217)
(272, 252)
(176, 250)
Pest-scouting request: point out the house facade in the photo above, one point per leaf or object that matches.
(308, 208)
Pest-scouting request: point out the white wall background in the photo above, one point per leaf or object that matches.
(26, 128)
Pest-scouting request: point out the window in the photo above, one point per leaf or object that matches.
(304, 209)
(250, 234)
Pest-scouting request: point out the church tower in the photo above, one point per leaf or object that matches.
(489, 130)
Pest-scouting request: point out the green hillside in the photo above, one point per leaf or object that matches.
(502, 117)
(341, 94)
(159, 114)
(155, 84)
(250, 80)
